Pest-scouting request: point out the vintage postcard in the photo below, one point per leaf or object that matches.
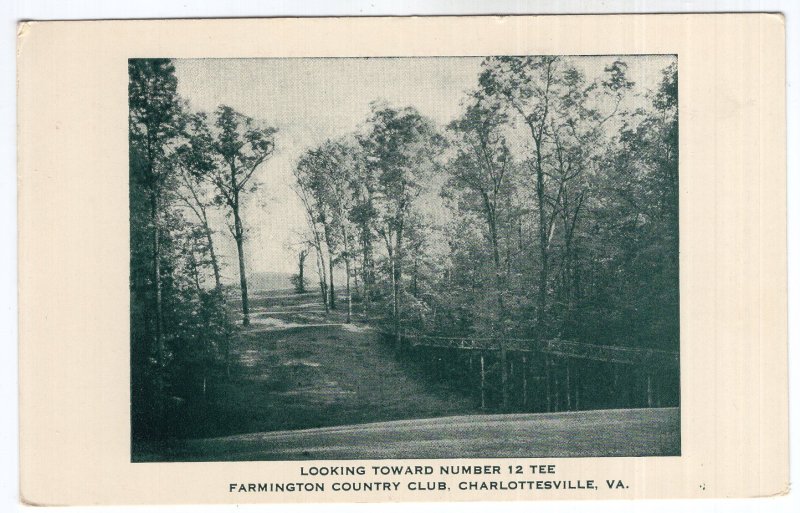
(402, 259)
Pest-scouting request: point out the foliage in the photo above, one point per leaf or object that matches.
(180, 329)
(299, 284)
(239, 146)
(556, 214)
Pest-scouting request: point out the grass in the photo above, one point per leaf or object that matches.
(298, 368)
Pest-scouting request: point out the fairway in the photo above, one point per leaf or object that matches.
(652, 432)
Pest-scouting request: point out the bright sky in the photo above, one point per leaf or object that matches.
(310, 100)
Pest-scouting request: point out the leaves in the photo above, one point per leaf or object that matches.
(240, 145)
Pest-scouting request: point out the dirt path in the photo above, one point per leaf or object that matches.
(296, 367)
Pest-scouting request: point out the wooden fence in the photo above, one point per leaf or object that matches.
(550, 375)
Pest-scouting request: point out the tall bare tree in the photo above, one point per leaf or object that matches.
(241, 145)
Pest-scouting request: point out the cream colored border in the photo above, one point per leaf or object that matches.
(73, 244)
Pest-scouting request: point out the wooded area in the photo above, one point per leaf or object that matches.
(548, 211)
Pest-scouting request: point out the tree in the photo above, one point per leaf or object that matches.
(178, 327)
(481, 167)
(635, 290)
(299, 279)
(197, 327)
(312, 177)
(194, 160)
(153, 123)
(400, 150)
(552, 99)
(363, 216)
(332, 166)
(303, 180)
(559, 215)
(241, 145)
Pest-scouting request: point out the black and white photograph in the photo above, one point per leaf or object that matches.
(406, 257)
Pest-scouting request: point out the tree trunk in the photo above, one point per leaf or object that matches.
(199, 209)
(195, 271)
(414, 289)
(395, 302)
(543, 253)
(570, 276)
(331, 289)
(349, 294)
(158, 327)
(398, 271)
(239, 236)
(483, 384)
(345, 239)
(548, 373)
(500, 306)
(367, 271)
(537, 133)
(213, 255)
(158, 333)
(301, 287)
(323, 277)
(395, 274)
(569, 388)
(321, 269)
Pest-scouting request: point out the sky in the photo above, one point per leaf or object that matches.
(312, 99)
